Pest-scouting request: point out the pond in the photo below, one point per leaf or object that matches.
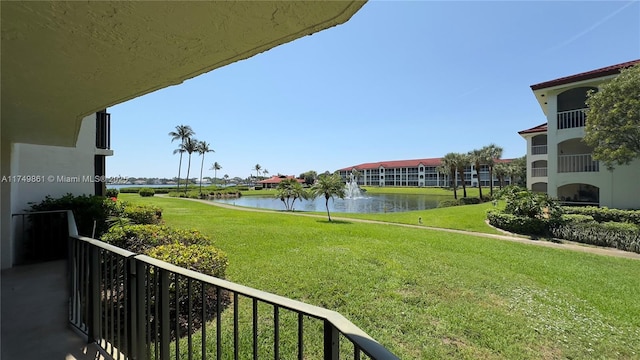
(370, 203)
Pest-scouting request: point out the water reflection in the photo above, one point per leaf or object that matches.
(371, 203)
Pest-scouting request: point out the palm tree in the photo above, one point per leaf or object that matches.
(215, 167)
(501, 170)
(226, 177)
(202, 147)
(494, 153)
(265, 172)
(190, 146)
(478, 157)
(462, 161)
(257, 168)
(288, 191)
(329, 186)
(449, 166)
(182, 133)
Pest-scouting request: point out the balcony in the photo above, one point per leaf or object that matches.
(539, 172)
(538, 149)
(577, 163)
(572, 118)
(132, 306)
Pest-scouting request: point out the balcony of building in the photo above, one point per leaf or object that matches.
(103, 302)
(575, 156)
(571, 107)
(579, 194)
(539, 168)
(539, 145)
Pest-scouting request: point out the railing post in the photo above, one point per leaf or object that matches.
(93, 327)
(331, 342)
(140, 318)
(164, 313)
(132, 308)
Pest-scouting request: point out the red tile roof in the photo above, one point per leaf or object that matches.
(605, 71)
(536, 129)
(402, 164)
(277, 179)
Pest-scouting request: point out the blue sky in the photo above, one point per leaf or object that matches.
(400, 80)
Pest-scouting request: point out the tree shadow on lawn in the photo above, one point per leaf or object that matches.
(338, 222)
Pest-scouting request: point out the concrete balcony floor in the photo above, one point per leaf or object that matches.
(35, 315)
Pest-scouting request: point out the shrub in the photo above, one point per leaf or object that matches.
(576, 219)
(519, 224)
(112, 193)
(448, 203)
(605, 214)
(532, 205)
(469, 201)
(143, 214)
(86, 210)
(623, 236)
(146, 192)
(205, 259)
(141, 238)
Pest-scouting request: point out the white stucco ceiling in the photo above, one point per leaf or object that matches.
(64, 60)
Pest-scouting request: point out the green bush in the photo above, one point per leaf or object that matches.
(205, 259)
(86, 210)
(143, 214)
(112, 193)
(136, 190)
(606, 215)
(469, 201)
(623, 236)
(141, 238)
(146, 192)
(519, 224)
(448, 203)
(576, 219)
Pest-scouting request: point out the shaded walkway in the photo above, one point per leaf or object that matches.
(508, 237)
(35, 308)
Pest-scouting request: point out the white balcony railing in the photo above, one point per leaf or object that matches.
(577, 163)
(538, 149)
(539, 172)
(572, 118)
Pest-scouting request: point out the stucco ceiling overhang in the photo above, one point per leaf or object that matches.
(62, 61)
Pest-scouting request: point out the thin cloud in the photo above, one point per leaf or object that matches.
(592, 27)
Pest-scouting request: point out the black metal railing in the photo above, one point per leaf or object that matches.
(103, 130)
(137, 307)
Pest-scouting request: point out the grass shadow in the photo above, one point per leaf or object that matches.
(339, 222)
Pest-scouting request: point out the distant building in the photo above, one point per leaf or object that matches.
(559, 163)
(273, 181)
(417, 172)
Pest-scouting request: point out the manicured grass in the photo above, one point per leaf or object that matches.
(467, 217)
(429, 294)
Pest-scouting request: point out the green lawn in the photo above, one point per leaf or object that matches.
(428, 294)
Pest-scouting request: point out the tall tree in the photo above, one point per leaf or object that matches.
(257, 168)
(202, 147)
(494, 152)
(215, 167)
(501, 170)
(265, 172)
(613, 119)
(182, 133)
(462, 161)
(309, 177)
(477, 158)
(329, 186)
(190, 146)
(226, 178)
(288, 191)
(449, 166)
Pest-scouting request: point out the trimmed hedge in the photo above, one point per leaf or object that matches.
(141, 238)
(146, 192)
(623, 236)
(519, 224)
(448, 203)
(112, 193)
(605, 214)
(469, 201)
(206, 259)
(143, 214)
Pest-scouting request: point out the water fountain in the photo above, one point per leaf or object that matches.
(352, 190)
